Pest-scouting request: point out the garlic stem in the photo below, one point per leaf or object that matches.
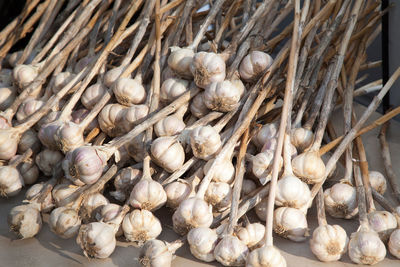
(321, 208)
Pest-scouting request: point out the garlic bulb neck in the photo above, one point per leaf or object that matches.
(140, 226)
(329, 242)
(202, 242)
(230, 251)
(365, 247)
(266, 256)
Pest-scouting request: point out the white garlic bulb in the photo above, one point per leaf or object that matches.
(180, 60)
(129, 91)
(108, 118)
(290, 223)
(157, 253)
(329, 242)
(309, 167)
(394, 243)
(248, 186)
(147, 194)
(178, 191)
(172, 88)
(47, 204)
(222, 96)
(124, 182)
(262, 164)
(230, 251)
(197, 106)
(140, 226)
(64, 222)
(252, 235)
(112, 75)
(109, 213)
(47, 159)
(265, 256)
(92, 95)
(267, 132)
(169, 126)
(168, 153)
(261, 209)
(218, 195)
(130, 116)
(61, 80)
(383, 223)
(378, 182)
(223, 173)
(301, 138)
(28, 107)
(91, 205)
(207, 68)
(205, 142)
(7, 96)
(61, 192)
(365, 247)
(11, 181)
(254, 64)
(25, 220)
(202, 241)
(29, 140)
(341, 201)
(292, 192)
(29, 171)
(23, 75)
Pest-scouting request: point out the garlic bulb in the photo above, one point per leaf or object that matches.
(47, 204)
(252, 235)
(11, 181)
(28, 107)
(394, 243)
(129, 91)
(61, 80)
(140, 226)
(267, 132)
(130, 116)
(378, 182)
(47, 159)
(301, 138)
(230, 251)
(248, 186)
(92, 95)
(64, 222)
(29, 139)
(205, 142)
(222, 96)
(168, 153)
(219, 195)
(202, 242)
(180, 60)
(4, 124)
(290, 223)
(8, 143)
(112, 75)
(197, 107)
(172, 88)
(7, 96)
(254, 64)
(309, 167)
(157, 253)
(341, 201)
(23, 75)
(223, 173)
(261, 165)
(169, 126)
(91, 205)
(261, 209)
(191, 213)
(69, 136)
(62, 191)
(29, 171)
(365, 247)
(25, 220)
(177, 192)
(108, 118)
(270, 145)
(383, 223)
(207, 68)
(292, 192)
(265, 256)
(124, 182)
(329, 242)
(147, 194)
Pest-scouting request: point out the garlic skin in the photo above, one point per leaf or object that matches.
(261, 209)
(205, 142)
(92, 95)
(177, 192)
(265, 256)
(223, 173)
(202, 241)
(47, 159)
(29, 139)
(267, 132)
(91, 205)
(309, 167)
(378, 182)
(207, 68)
(130, 116)
(47, 134)
(7, 96)
(62, 191)
(172, 88)
(383, 223)
(11, 181)
(301, 138)
(365, 247)
(23, 75)
(248, 186)
(329, 242)
(69, 136)
(4, 124)
(64, 222)
(124, 182)
(341, 201)
(112, 75)
(168, 153)
(254, 64)
(191, 213)
(147, 194)
(27, 108)
(290, 223)
(25, 220)
(252, 235)
(140, 226)
(156, 253)
(394, 243)
(48, 202)
(230, 251)
(219, 195)
(29, 172)
(180, 61)
(262, 164)
(292, 192)
(169, 126)
(108, 118)
(222, 96)
(197, 106)
(129, 91)
(61, 80)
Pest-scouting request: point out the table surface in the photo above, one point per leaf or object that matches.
(46, 249)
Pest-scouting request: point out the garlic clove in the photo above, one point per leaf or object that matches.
(394, 243)
(378, 182)
(341, 201)
(230, 251)
(223, 173)
(180, 60)
(205, 142)
(301, 138)
(147, 194)
(292, 192)
(207, 68)
(265, 256)
(47, 159)
(92, 95)
(383, 223)
(172, 88)
(365, 247)
(169, 126)
(222, 96)
(219, 195)
(202, 242)
(168, 153)
(309, 167)
(140, 226)
(64, 222)
(290, 223)
(25, 220)
(254, 64)
(129, 91)
(252, 235)
(11, 181)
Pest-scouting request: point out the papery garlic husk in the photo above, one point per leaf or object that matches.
(290, 223)
(157, 253)
(11, 181)
(47, 159)
(124, 182)
(177, 192)
(169, 126)
(197, 106)
(205, 142)
(61, 80)
(7, 96)
(140, 226)
(292, 192)
(23, 75)
(329, 242)
(207, 68)
(262, 164)
(29, 171)
(265, 256)
(252, 235)
(309, 167)
(378, 182)
(219, 195)
(64, 222)
(92, 95)
(261, 209)
(191, 213)
(61, 192)
(147, 194)
(4, 124)
(91, 205)
(28, 107)
(383, 223)
(230, 251)
(222, 96)
(25, 220)
(223, 172)
(112, 75)
(267, 132)
(47, 204)
(341, 201)
(168, 153)
(254, 64)
(29, 140)
(172, 88)
(129, 91)
(248, 186)
(365, 247)
(270, 145)
(180, 61)
(394, 243)
(202, 242)
(301, 138)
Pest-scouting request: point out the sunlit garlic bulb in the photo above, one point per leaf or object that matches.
(7, 96)
(168, 153)
(157, 253)
(223, 173)
(130, 116)
(28, 107)
(92, 95)
(140, 226)
(394, 243)
(197, 107)
(222, 96)
(341, 201)
(230, 251)
(147, 194)
(261, 209)
(172, 88)
(23, 75)
(329, 242)
(309, 167)
(290, 223)
(378, 182)
(180, 60)
(108, 118)
(124, 182)
(205, 142)
(25, 220)
(383, 223)
(111, 76)
(202, 241)
(254, 64)
(29, 140)
(267, 132)
(207, 68)
(219, 195)
(8, 143)
(365, 247)
(64, 222)
(129, 91)
(252, 235)
(29, 171)
(178, 191)
(62, 191)
(292, 192)
(169, 126)
(47, 159)
(265, 256)
(91, 205)
(261, 165)
(301, 138)
(11, 181)
(61, 80)
(47, 204)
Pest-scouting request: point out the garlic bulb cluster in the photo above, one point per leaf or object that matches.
(61, 80)
(219, 195)
(11, 181)
(383, 223)
(230, 251)
(129, 91)
(25, 220)
(29, 171)
(309, 167)
(168, 153)
(197, 106)
(23, 75)
(292, 192)
(169, 126)
(341, 201)
(394, 243)
(140, 226)
(252, 235)
(7, 96)
(180, 61)
(92, 95)
(47, 159)
(290, 223)
(254, 64)
(124, 182)
(223, 173)
(223, 96)
(378, 182)
(147, 194)
(202, 242)
(28, 107)
(207, 68)
(47, 204)
(205, 142)
(301, 138)
(172, 88)
(64, 222)
(365, 247)
(265, 256)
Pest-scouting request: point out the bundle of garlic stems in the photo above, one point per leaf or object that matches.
(117, 108)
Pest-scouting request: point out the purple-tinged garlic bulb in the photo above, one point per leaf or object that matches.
(197, 107)
(394, 243)
(169, 126)
(202, 242)
(69, 136)
(61, 192)
(11, 181)
(252, 235)
(23, 75)
(92, 95)
(147, 194)
(47, 159)
(267, 132)
(29, 171)
(140, 226)
(205, 142)
(129, 91)
(64, 222)
(112, 75)
(301, 138)
(157, 253)
(180, 61)
(222, 96)
(25, 220)
(207, 68)
(47, 134)
(7, 96)
(290, 223)
(91, 205)
(230, 251)
(365, 247)
(172, 88)
(28, 107)
(265, 256)
(248, 186)
(124, 182)
(378, 182)
(47, 204)
(168, 153)
(292, 192)
(61, 80)
(254, 64)
(329, 242)
(29, 140)
(383, 223)
(309, 167)
(219, 195)
(341, 201)
(261, 210)
(223, 173)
